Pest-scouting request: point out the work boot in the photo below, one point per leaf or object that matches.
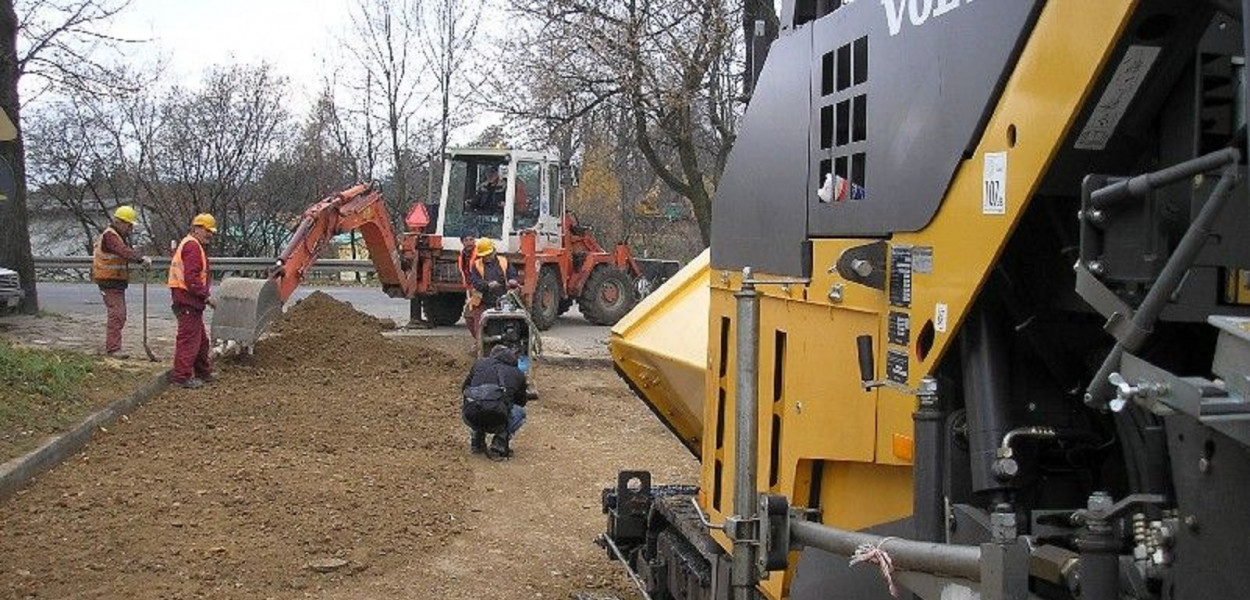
(499, 446)
(210, 378)
(477, 443)
(118, 354)
(192, 383)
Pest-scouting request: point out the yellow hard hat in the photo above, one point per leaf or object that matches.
(484, 247)
(206, 221)
(126, 214)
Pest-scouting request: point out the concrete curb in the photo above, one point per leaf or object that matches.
(15, 474)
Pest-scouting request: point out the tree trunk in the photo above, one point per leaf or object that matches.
(14, 232)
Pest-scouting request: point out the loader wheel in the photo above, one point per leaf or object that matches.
(445, 308)
(608, 295)
(547, 294)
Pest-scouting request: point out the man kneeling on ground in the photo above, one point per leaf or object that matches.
(494, 401)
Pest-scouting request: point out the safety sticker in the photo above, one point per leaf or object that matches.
(939, 317)
(994, 194)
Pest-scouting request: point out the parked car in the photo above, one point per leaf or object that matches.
(10, 290)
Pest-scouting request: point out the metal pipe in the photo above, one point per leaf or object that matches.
(928, 503)
(1033, 431)
(1140, 185)
(638, 583)
(908, 555)
(746, 434)
(983, 352)
(1099, 390)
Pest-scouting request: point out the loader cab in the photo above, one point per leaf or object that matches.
(499, 193)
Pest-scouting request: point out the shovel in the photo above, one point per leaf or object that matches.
(147, 272)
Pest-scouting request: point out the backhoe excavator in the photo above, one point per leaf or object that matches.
(513, 197)
(975, 320)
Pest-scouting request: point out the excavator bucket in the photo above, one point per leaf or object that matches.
(245, 308)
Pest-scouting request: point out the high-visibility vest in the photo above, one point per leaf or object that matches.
(480, 265)
(176, 278)
(106, 266)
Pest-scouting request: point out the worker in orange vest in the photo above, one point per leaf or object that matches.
(189, 288)
(488, 277)
(110, 269)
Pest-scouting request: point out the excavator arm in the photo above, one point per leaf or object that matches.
(357, 209)
(246, 306)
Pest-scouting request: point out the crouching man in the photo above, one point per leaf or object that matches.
(494, 401)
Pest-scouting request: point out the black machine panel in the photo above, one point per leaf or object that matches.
(883, 84)
(927, 88)
(760, 215)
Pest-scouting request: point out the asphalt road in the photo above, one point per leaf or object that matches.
(571, 335)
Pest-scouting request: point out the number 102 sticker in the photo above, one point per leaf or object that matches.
(994, 192)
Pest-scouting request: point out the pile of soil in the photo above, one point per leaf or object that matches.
(334, 454)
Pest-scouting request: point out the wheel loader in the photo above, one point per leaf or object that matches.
(978, 326)
(513, 197)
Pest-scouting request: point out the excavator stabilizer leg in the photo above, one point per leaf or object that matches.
(245, 308)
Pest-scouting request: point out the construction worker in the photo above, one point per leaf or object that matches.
(490, 277)
(494, 401)
(110, 269)
(189, 287)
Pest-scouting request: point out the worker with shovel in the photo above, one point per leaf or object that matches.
(189, 288)
(110, 270)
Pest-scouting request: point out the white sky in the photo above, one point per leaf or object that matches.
(299, 37)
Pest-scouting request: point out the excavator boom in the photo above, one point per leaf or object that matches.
(246, 306)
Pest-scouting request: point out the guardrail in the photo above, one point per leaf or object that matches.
(223, 263)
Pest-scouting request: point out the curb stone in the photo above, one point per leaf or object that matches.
(16, 473)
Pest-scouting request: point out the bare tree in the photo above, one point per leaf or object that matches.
(383, 35)
(212, 145)
(57, 43)
(673, 65)
(448, 36)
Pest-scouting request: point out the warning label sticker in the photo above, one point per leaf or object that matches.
(994, 194)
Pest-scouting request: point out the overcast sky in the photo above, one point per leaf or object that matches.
(297, 36)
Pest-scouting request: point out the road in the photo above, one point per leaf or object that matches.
(570, 336)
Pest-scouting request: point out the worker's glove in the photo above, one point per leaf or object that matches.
(211, 301)
(512, 284)
(492, 284)
(147, 261)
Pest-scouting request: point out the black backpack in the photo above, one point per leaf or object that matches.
(486, 406)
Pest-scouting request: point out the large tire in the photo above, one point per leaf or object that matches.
(445, 308)
(547, 294)
(609, 294)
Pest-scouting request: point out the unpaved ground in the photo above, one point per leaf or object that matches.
(336, 447)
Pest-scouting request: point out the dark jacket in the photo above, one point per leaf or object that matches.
(493, 369)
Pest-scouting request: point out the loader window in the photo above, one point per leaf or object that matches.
(474, 204)
(525, 203)
(552, 201)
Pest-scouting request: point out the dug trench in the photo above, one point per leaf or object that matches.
(333, 464)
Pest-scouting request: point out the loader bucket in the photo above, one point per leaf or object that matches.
(245, 308)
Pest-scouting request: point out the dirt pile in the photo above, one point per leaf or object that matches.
(332, 455)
